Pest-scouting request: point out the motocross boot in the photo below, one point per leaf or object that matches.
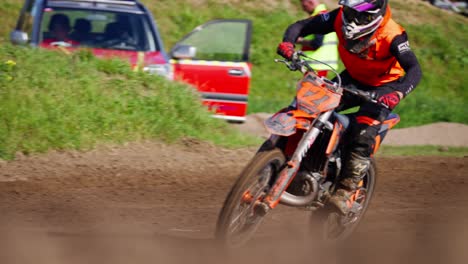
(354, 171)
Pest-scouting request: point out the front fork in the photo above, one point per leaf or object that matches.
(286, 175)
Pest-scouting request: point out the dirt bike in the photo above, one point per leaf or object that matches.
(300, 164)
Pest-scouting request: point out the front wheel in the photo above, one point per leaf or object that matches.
(334, 227)
(240, 215)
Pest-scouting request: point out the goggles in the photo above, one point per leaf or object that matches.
(360, 18)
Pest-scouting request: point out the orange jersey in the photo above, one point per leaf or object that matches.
(376, 66)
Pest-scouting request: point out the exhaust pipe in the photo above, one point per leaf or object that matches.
(300, 201)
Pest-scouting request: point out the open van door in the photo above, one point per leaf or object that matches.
(214, 58)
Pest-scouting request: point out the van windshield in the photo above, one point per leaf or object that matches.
(97, 29)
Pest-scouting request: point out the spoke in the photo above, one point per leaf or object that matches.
(236, 227)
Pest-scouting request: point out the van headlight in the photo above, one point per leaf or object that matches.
(160, 69)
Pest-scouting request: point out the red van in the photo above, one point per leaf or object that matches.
(214, 57)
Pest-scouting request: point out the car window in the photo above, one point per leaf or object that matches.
(96, 29)
(219, 41)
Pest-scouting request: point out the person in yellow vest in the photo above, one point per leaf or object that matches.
(317, 46)
(378, 59)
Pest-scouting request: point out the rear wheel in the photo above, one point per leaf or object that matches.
(334, 227)
(241, 215)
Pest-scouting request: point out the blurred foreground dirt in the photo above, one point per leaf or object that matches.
(152, 203)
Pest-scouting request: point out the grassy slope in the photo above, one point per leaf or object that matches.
(439, 40)
(77, 101)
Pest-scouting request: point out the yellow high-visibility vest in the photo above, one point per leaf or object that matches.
(328, 52)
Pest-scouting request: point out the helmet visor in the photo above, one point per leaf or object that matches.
(358, 17)
(360, 5)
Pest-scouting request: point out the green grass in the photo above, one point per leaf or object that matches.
(422, 151)
(9, 11)
(52, 101)
(442, 94)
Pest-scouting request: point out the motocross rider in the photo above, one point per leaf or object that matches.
(377, 56)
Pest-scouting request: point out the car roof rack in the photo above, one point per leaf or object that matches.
(118, 2)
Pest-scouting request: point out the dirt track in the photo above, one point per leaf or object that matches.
(150, 203)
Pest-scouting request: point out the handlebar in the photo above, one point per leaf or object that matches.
(299, 64)
(367, 96)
